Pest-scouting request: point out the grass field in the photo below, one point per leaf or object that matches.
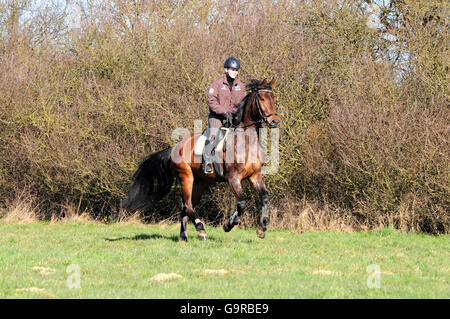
(126, 261)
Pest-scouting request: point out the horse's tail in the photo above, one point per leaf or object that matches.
(151, 182)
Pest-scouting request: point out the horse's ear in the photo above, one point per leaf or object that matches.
(272, 83)
(264, 82)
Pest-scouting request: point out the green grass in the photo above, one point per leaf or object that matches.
(118, 261)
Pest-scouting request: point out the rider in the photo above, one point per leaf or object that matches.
(224, 95)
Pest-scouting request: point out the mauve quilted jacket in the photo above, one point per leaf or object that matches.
(221, 100)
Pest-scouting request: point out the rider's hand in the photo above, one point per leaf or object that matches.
(228, 119)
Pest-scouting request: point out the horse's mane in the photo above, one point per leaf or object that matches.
(251, 86)
(254, 84)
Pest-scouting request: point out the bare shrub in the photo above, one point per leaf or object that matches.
(364, 131)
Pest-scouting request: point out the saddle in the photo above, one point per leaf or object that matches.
(219, 140)
(221, 137)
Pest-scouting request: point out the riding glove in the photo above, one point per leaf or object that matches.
(228, 119)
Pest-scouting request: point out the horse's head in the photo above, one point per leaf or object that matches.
(264, 106)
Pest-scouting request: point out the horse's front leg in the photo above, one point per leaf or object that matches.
(236, 188)
(258, 185)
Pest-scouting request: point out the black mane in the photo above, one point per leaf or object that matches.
(240, 111)
(254, 84)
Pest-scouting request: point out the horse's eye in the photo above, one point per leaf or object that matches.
(262, 99)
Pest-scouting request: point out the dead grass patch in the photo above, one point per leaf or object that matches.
(165, 277)
(22, 210)
(44, 270)
(215, 271)
(323, 272)
(31, 289)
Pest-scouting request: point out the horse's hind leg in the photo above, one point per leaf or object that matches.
(186, 181)
(199, 188)
(191, 192)
(184, 221)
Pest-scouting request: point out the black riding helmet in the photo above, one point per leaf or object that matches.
(232, 63)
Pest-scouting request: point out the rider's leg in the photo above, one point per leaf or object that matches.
(211, 142)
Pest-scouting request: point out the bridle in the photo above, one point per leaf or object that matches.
(263, 115)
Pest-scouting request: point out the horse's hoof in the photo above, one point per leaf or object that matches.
(203, 235)
(227, 227)
(182, 239)
(261, 234)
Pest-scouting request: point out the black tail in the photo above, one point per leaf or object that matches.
(152, 181)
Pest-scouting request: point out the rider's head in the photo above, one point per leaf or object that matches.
(232, 66)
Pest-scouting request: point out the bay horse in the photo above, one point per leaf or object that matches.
(155, 175)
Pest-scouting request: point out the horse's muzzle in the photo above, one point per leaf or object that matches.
(274, 123)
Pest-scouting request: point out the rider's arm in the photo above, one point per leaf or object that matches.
(239, 96)
(213, 100)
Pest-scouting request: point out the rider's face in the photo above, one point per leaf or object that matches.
(233, 73)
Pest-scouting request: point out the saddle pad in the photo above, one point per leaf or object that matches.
(200, 144)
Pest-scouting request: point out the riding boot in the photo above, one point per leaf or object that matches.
(208, 156)
(207, 161)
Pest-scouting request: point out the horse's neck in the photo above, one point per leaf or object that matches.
(247, 122)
